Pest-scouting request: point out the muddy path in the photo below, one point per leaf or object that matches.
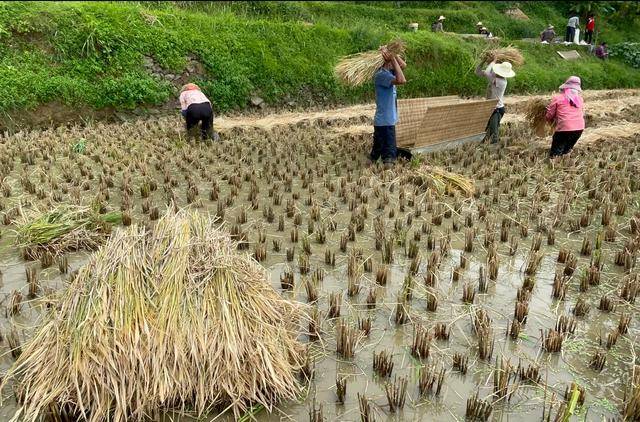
(539, 250)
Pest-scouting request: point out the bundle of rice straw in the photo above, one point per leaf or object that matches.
(356, 69)
(535, 112)
(506, 54)
(173, 318)
(441, 181)
(65, 228)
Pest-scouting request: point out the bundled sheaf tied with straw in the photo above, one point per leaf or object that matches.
(506, 54)
(169, 318)
(441, 181)
(65, 228)
(535, 114)
(356, 69)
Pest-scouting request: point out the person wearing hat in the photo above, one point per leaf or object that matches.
(386, 116)
(567, 111)
(437, 25)
(479, 27)
(485, 31)
(548, 34)
(196, 109)
(497, 75)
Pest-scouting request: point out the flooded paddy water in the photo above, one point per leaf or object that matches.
(512, 293)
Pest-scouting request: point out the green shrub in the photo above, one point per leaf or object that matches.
(629, 52)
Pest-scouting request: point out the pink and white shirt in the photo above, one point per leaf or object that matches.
(567, 117)
(192, 96)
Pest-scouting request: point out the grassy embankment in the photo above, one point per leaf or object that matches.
(85, 54)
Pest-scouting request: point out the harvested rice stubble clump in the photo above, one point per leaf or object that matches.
(172, 318)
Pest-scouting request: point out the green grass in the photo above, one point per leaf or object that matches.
(91, 54)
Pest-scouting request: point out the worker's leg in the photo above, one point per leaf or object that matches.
(389, 148)
(191, 120)
(557, 144)
(588, 36)
(376, 149)
(572, 138)
(494, 125)
(207, 121)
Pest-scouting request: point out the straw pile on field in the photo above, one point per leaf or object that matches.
(356, 69)
(506, 54)
(441, 181)
(65, 228)
(169, 318)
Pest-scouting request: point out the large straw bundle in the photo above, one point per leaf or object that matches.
(507, 54)
(535, 113)
(62, 229)
(173, 318)
(356, 69)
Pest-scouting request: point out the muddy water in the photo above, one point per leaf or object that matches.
(604, 390)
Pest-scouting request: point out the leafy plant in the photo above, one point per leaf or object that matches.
(627, 51)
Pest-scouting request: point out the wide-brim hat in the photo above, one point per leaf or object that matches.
(550, 27)
(504, 69)
(573, 82)
(479, 24)
(441, 18)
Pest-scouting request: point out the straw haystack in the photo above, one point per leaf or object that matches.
(172, 318)
(506, 54)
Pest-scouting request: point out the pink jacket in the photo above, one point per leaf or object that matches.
(566, 116)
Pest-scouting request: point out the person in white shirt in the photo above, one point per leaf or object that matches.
(196, 109)
(574, 22)
(496, 74)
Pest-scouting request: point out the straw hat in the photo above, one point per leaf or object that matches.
(503, 69)
(550, 27)
(190, 87)
(441, 18)
(573, 82)
(479, 23)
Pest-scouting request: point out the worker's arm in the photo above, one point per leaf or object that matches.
(480, 71)
(183, 101)
(399, 74)
(551, 110)
(401, 62)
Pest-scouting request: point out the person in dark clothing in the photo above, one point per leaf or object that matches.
(386, 116)
(196, 109)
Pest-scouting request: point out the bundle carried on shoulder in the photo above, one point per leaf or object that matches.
(168, 318)
(356, 69)
(506, 54)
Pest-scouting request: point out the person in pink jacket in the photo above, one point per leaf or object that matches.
(196, 110)
(567, 111)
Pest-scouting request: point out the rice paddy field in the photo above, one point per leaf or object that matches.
(514, 301)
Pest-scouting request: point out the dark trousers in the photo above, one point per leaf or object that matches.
(563, 142)
(588, 37)
(571, 32)
(493, 126)
(200, 113)
(384, 143)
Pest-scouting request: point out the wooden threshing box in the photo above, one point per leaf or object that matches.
(441, 122)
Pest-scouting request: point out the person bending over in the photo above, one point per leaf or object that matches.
(386, 116)
(196, 109)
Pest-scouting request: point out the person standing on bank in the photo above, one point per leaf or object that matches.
(196, 109)
(574, 22)
(496, 74)
(567, 111)
(589, 28)
(437, 25)
(386, 116)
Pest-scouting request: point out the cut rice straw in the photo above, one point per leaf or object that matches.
(442, 181)
(172, 318)
(535, 114)
(356, 69)
(65, 228)
(506, 54)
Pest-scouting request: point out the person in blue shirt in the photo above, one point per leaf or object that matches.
(386, 117)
